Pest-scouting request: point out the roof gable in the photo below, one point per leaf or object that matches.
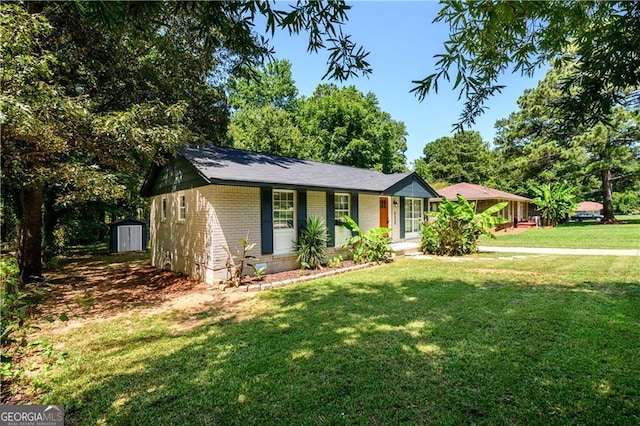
(412, 186)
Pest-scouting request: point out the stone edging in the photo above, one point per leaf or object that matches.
(284, 283)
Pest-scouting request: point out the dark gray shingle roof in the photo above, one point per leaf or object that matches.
(227, 165)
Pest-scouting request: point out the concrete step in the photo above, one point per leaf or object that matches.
(405, 248)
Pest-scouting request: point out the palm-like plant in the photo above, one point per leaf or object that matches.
(312, 243)
(457, 227)
(553, 201)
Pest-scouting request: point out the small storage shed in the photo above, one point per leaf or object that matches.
(128, 235)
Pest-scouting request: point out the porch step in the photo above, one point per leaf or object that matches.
(405, 248)
(527, 225)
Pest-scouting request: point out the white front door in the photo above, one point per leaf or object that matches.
(284, 221)
(129, 238)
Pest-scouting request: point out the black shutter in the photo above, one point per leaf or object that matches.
(354, 207)
(302, 210)
(266, 220)
(402, 224)
(331, 220)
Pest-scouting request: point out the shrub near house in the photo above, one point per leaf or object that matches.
(457, 227)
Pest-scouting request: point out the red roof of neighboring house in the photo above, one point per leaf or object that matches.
(472, 191)
(589, 206)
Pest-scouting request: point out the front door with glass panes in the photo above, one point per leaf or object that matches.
(413, 216)
(284, 224)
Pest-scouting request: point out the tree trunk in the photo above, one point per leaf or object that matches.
(607, 199)
(50, 222)
(30, 250)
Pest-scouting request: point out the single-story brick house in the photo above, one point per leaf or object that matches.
(207, 198)
(485, 197)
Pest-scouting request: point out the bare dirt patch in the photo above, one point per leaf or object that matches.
(95, 288)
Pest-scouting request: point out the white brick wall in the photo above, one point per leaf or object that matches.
(216, 217)
(368, 211)
(317, 204)
(219, 216)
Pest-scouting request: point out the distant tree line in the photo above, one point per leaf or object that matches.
(540, 143)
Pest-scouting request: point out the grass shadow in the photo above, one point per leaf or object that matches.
(366, 350)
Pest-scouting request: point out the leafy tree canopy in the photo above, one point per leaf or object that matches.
(463, 157)
(490, 38)
(348, 127)
(91, 90)
(541, 143)
(335, 125)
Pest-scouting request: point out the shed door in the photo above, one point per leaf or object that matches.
(129, 238)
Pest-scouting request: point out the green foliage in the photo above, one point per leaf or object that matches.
(92, 90)
(627, 202)
(464, 157)
(312, 243)
(235, 264)
(554, 201)
(486, 40)
(346, 126)
(17, 303)
(335, 125)
(272, 85)
(540, 143)
(457, 227)
(335, 261)
(370, 246)
(259, 273)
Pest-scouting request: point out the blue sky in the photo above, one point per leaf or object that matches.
(402, 41)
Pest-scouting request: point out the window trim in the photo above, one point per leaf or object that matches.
(293, 230)
(339, 229)
(412, 219)
(182, 208)
(335, 206)
(163, 209)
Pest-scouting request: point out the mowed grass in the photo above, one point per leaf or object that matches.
(589, 235)
(535, 340)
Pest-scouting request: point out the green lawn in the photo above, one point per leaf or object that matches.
(542, 340)
(573, 235)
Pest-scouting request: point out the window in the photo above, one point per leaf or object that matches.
(283, 210)
(412, 215)
(284, 221)
(163, 209)
(182, 211)
(341, 204)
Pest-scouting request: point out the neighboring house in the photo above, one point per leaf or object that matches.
(208, 198)
(485, 197)
(589, 207)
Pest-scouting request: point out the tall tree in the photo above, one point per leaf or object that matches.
(487, 39)
(264, 112)
(346, 126)
(336, 125)
(541, 143)
(101, 86)
(271, 84)
(463, 157)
